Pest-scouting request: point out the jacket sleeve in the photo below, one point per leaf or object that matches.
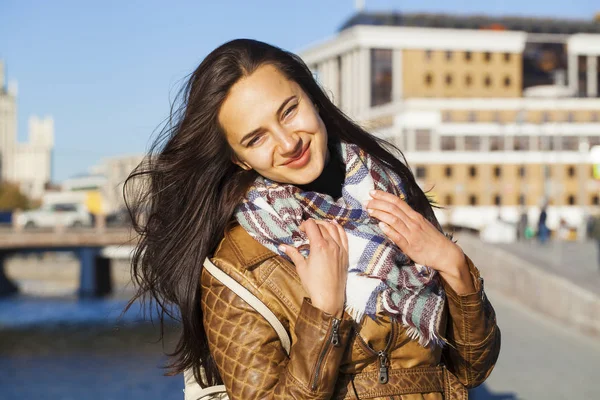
(472, 333)
(250, 358)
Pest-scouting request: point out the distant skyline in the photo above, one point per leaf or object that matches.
(106, 73)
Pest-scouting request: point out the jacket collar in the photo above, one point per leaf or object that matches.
(247, 249)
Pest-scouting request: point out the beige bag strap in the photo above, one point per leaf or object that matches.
(192, 390)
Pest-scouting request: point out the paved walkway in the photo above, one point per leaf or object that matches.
(539, 359)
(576, 261)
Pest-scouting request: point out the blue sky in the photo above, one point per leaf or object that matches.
(106, 70)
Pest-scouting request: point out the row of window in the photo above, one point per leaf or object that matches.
(521, 117)
(503, 143)
(473, 200)
(570, 171)
(468, 80)
(468, 56)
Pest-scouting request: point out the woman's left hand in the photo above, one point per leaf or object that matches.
(419, 239)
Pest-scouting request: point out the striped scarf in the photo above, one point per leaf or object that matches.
(381, 278)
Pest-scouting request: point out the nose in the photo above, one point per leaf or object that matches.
(290, 145)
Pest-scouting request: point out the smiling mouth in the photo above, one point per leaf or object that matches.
(304, 150)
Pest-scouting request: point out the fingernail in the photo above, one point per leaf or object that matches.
(281, 248)
(372, 192)
(382, 226)
(369, 210)
(366, 204)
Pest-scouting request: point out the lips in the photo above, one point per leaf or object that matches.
(299, 155)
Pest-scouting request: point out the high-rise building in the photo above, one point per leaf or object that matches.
(29, 164)
(494, 115)
(8, 128)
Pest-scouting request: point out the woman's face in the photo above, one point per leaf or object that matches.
(274, 128)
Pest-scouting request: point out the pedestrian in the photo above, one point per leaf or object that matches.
(260, 172)
(522, 225)
(543, 231)
(594, 233)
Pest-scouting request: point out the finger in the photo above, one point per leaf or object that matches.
(343, 234)
(397, 201)
(312, 230)
(394, 235)
(297, 258)
(386, 206)
(393, 221)
(331, 231)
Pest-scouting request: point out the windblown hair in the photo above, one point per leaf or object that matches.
(184, 193)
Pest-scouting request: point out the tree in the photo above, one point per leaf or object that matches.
(11, 197)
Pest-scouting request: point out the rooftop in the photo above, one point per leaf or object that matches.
(509, 23)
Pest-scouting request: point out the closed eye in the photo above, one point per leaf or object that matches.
(289, 110)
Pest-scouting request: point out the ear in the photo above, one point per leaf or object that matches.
(241, 164)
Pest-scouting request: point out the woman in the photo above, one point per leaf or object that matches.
(259, 171)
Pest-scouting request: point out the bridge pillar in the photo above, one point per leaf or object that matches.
(95, 277)
(7, 287)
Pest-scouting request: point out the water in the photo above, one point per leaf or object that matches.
(64, 348)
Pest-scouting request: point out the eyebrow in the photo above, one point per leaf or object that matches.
(279, 110)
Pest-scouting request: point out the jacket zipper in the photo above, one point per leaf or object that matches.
(382, 355)
(334, 339)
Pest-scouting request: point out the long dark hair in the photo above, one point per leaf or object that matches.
(184, 193)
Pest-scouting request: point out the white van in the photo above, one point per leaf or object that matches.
(59, 214)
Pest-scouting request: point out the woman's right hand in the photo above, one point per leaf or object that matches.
(323, 273)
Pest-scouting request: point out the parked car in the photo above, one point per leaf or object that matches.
(51, 215)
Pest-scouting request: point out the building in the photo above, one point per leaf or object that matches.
(494, 115)
(29, 163)
(33, 159)
(115, 171)
(8, 128)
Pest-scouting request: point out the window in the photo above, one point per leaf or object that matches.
(507, 57)
(64, 207)
(569, 143)
(428, 54)
(448, 79)
(594, 140)
(473, 200)
(472, 116)
(468, 80)
(570, 117)
(521, 199)
(448, 143)
(339, 80)
(422, 140)
(447, 116)
(472, 171)
(545, 117)
(521, 143)
(497, 117)
(506, 81)
(595, 200)
(487, 81)
(497, 200)
(472, 143)
(448, 55)
(497, 171)
(594, 117)
(381, 76)
(448, 200)
(522, 171)
(570, 171)
(428, 79)
(487, 56)
(496, 143)
(571, 200)
(420, 172)
(448, 172)
(468, 56)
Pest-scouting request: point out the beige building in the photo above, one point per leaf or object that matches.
(29, 164)
(492, 114)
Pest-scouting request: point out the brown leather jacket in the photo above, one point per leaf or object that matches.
(253, 364)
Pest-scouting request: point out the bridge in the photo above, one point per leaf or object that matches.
(86, 243)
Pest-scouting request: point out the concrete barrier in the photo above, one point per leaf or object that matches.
(537, 289)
